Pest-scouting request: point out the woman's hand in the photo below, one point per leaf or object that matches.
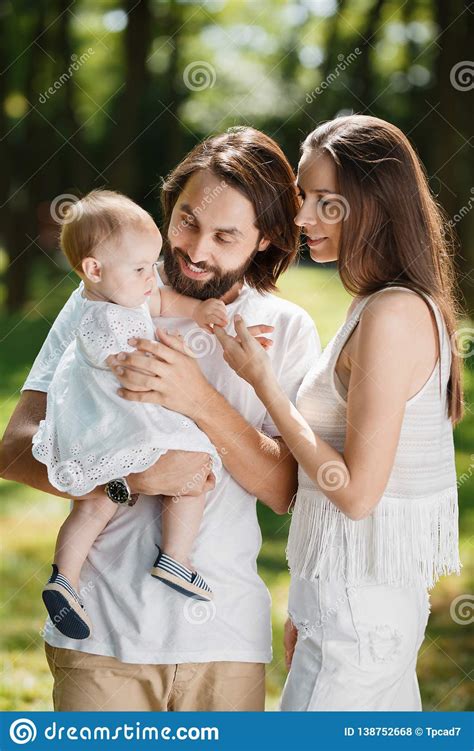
(245, 353)
(164, 372)
(289, 641)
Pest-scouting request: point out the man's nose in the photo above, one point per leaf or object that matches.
(197, 250)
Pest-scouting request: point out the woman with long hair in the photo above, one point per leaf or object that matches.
(375, 520)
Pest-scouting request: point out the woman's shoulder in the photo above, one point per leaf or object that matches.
(399, 318)
(396, 307)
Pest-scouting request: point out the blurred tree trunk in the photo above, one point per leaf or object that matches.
(22, 191)
(365, 69)
(451, 132)
(123, 169)
(73, 166)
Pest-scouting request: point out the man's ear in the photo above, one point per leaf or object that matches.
(263, 244)
(92, 269)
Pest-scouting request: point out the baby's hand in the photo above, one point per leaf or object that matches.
(210, 312)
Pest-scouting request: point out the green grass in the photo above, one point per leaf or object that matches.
(30, 521)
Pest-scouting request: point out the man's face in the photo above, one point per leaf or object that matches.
(212, 238)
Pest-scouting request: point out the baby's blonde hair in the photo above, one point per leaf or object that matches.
(98, 217)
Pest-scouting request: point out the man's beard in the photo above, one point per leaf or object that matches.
(216, 287)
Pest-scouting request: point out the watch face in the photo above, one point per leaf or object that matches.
(117, 491)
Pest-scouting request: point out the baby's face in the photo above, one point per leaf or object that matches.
(128, 274)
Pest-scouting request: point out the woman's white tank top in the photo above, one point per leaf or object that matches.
(412, 534)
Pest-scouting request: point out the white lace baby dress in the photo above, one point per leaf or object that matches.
(90, 434)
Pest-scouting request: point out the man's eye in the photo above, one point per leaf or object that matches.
(223, 240)
(139, 270)
(188, 222)
(324, 203)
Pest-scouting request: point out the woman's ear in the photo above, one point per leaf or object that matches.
(263, 244)
(92, 269)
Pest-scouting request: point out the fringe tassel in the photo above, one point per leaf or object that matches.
(401, 543)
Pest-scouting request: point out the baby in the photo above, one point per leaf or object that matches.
(90, 435)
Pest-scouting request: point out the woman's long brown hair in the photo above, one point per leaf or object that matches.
(394, 232)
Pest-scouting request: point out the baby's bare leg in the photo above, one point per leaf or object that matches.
(180, 520)
(76, 536)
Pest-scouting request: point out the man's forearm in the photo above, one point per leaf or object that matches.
(27, 470)
(17, 463)
(262, 465)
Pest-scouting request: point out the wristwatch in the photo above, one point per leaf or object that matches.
(119, 492)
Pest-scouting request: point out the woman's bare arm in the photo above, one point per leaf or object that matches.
(395, 353)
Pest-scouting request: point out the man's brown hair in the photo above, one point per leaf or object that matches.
(254, 164)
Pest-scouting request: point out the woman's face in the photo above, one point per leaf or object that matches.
(322, 209)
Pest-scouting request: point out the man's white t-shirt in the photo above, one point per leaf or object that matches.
(139, 619)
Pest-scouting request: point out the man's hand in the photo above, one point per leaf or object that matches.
(289, 641)
(167, 476)
(163, 372)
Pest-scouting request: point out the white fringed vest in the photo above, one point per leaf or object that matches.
(412, 534)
